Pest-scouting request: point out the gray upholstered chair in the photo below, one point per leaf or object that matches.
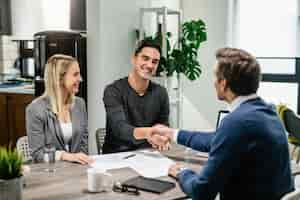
(291, 122)
(23, 148)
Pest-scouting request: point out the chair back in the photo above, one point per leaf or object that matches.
(295, 195)
(292, 123)
(100, 136)
(23, 148)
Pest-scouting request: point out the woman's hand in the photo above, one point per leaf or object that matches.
(77, 157)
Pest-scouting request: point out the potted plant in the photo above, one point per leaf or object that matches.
(183, 57)
(10, 174)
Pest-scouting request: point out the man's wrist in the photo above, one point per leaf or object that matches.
(180, 169)
(142, 132)
(175, 135)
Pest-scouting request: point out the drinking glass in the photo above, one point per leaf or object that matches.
(49, 158)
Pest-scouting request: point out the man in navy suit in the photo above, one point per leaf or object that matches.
(248, 153)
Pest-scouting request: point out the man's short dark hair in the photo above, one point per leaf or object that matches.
(147, 43)
(240, 69)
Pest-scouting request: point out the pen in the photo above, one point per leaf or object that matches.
(129, 156)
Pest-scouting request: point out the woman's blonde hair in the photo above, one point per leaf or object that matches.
(55, 70)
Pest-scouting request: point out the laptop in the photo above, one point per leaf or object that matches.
(221, 115)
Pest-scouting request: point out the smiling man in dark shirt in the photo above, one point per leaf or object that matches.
(135, 104)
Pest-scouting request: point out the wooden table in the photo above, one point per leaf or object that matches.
(69, 181)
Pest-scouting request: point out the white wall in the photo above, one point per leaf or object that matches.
(111, 28)
(200, 94)
(94, 72)
(31, 16)
(27, 17)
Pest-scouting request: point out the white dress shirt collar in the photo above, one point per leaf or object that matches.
(239, 100)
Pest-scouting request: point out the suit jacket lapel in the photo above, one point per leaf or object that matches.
(55, 124)
(75, 140)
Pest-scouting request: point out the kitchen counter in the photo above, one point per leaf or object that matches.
(13, 103)
(22, 89)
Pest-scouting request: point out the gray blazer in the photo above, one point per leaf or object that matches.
(43, 128)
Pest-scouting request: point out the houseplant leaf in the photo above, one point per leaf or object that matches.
(183, 57)
(10, 163)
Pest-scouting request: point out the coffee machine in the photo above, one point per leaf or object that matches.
(48, 43)
(25, 60)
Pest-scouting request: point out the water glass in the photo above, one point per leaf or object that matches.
(49, 158)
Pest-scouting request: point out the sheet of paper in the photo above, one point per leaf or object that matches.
(146, 162)
(151, 164)
(111, 161)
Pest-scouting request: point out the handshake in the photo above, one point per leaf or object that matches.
(160, 137)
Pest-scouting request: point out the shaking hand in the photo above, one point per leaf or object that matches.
(159, 142)
(160, 137)
(164, 131)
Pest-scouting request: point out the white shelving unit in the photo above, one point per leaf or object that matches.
(172, 84)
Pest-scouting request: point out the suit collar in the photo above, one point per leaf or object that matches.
(239, 100)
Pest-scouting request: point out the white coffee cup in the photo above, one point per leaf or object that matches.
(99, 180)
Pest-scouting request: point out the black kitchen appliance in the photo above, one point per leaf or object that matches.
(25, 60)
(48, 43)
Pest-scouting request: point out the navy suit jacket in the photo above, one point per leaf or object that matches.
(248, 157)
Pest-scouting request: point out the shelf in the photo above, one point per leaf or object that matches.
(175, 95)
(161, 11)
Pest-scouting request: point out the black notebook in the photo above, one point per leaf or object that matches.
(149, 184)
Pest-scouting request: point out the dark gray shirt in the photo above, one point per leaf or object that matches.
(126, 110)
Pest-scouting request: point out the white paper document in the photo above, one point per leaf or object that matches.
(146, 162)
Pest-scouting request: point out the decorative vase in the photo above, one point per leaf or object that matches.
(11, 189)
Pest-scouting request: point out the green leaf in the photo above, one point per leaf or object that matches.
(185, 59)
(10, 163)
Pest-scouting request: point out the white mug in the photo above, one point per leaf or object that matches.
(99, 180)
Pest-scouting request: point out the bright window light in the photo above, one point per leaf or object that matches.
(278, 66)
(268, 27)
(288, 93)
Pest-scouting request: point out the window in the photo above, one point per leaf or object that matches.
(268, 29)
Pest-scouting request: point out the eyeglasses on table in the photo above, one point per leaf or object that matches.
(118, 187)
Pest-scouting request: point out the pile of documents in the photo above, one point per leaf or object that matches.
(147, 163)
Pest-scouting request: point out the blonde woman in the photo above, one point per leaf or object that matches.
(58, 118)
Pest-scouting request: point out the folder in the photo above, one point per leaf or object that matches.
(149, 184)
